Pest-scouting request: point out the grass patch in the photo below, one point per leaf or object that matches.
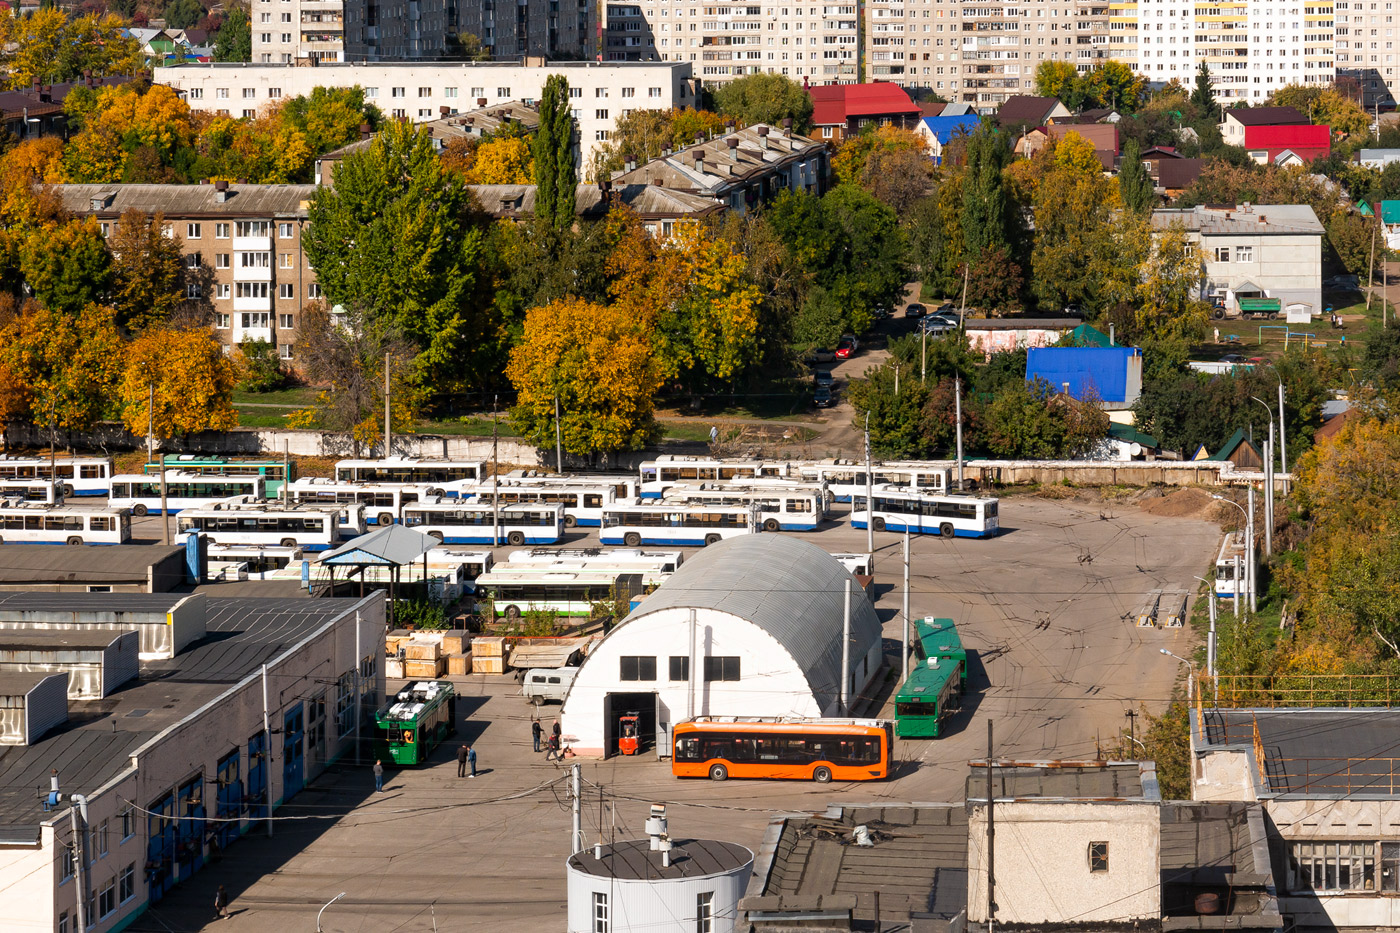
(685, 431)
(297, 396)
(263, 417)
(473, 427)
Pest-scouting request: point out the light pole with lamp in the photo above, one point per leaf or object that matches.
(323, 909)
(1268, 483)
(1191, 667)
(1210, 639)
(1249, 547)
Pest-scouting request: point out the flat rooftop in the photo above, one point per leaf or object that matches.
(18, 683)
(70, 638)
(1217, 848)
(633, 860)
(1320, 752)
(1060, 780)
(88, 563)
(100, 735)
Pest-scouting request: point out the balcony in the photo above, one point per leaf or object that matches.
(250, 244)
(252, 304)
(242, 334)
(252, 274)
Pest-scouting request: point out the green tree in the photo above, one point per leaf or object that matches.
(67, 267)
(1060, 80)
(555, 175)
(396, 239)
(467, 47)
(640, 135)
(1203, 97)
(330, 117)
(234, 40)
(765, 98)
(1134, 184)
(988, 213)
(261, 367)
(183, 14)
(147, 271)
(1113, 84)
(897, 410)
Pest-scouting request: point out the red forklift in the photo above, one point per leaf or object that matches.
(627, 741)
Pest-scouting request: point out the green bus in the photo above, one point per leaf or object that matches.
(415, 722)
(273, 472)
(936, 681)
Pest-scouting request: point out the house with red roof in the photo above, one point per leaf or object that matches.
(839, 110)
(1287, 145)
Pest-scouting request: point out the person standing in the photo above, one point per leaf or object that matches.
(553, 753)
(536, 730)
(221, 903)
(378, 776)
(556, 733)
(471, 760)
(462, 761)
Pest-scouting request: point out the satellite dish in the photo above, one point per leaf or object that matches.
(1135, 449)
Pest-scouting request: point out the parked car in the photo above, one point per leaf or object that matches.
(937, 327)
(1232, 358)
(823, 377)
(824, 396)
(818, 355)
(915, 310)
(1348, 283)
(847, 347)
(945, 318)
(947, 308)
(1073, 310)
(545, 683)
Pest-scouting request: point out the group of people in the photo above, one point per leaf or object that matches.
(554, 750)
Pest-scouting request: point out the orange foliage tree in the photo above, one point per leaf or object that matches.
(193, 379)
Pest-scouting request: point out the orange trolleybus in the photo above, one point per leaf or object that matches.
(822, 750)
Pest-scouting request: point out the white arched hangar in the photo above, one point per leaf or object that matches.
(750, 626)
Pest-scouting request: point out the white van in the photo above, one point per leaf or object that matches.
(548, 683)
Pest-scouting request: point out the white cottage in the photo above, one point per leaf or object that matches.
(749, 627)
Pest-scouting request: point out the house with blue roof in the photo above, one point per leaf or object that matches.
(1112, 375)
(936, 132)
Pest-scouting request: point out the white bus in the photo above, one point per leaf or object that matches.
(898, 509)
(415, 471)
(473, 523)
(36, 523)
(307, 527)
(568, 589)
(80, 476)
(383, 503)
(794, 507)
(583, 505)
(247, 561)
(846, 478)
(141, 492)
(665, 471)
(624, 486)
(49, 492)
(673, 524)
(619, 557)
(1234, 546)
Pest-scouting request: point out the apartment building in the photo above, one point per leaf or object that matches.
(427, 30)
(815, 44)
(1252, 49)
(600, 91)
(242, 244)
(302, 31)
(1366, 49)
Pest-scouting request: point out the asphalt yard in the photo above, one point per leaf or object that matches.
(1047, 611)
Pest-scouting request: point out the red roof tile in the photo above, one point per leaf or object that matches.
(834, 104)
(1307, 141)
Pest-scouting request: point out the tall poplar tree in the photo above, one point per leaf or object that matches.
(987, 205)
(556, 174)
(1134, 184)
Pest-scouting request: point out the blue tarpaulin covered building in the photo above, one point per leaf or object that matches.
(1111, 374)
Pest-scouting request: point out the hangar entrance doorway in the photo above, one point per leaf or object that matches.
(617, 705)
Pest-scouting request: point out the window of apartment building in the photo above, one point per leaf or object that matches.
(286, 37)
(478, 92)
(425, 92)
(284, 350)
(250, 320)
(637, 667)
(284, 231)
(286, 17)
(1098, 856)
(1222, 254)
(425, 113)
(100, 838)
(721, 668)
(195, 93)
(221, 320)
(313, 290)
(107, 899)
(63, 923)
(251, 290)
(126, 821)
(249, 93)
(1244, 254)
(223, 291)
(193, 290)
(629, 92)
(398, 92)
(286, 321)
(503, 92)
(284, 261)
(600, 114)
(449, 92)
(257, 228)
(371, 93)
(265, 37)
(167, 230)
(249, 114)
(126, 884)
(398, 113)
(221, 93)
(192, 260)
(255, 260)
(192, 231)
(1343, 865)
(274, 93)
(653, 92)
(286, 291)
(106, 229)
(601, 135)
(221, 260)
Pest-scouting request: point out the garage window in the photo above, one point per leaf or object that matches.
(636, 667)
(721, 669)
(680, 667)
(1098, 856)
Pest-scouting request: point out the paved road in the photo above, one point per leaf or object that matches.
(1054, 666)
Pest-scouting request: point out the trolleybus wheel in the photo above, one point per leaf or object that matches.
(435, 535)
(74, 539)
(385, 518)
(138, 509)
(67, 490)
(719, 773)
(632, 539)
(879, 524)
(822, 775)
(516, 538)
(512, 612)
(289, 542)
(711, 539)
(771, 524)
(946, 529)
(570, 521)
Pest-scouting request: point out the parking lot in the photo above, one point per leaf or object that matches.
(1046, 609)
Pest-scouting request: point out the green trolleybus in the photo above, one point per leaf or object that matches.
(936, 681)
(415, 722)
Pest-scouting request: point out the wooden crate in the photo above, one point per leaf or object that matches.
(393, 669)
(456, 641)
(425, 670)
(421, 651)
(489, 647)
(459, 664)
(487, 665)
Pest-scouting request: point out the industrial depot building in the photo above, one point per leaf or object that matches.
(170, 723)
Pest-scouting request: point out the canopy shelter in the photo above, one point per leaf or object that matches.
(392, 546)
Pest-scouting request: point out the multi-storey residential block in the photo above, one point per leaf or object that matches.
(303, 31)
(426, 30)
(600, 91)
(1366, 49)
(242, 244)
(817, 43)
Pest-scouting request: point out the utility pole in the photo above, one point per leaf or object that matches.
(558, 440)
(164, 507)
(1282, 438)
(1371, 266)
(1238, 570)
(991, 840)
(495, 477)
(904, 645)
(387, 437)
(151, 424)
(1132, 715)
(267, 752)
(1252, 572)
(923, 353)
(79, 870)
(1269, 493)
(287, 475)
(576, 840)
(1210, 641)
(957, 400)
(869, 498)
(846, 651)
(962, 314)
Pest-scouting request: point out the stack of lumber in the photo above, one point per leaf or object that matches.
(489, 655)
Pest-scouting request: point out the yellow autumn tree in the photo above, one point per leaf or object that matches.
(694, 293)
(122, 121)
(597, 361)
(855, 152)
(26, 167)
(193, 380)
(506, 161)
(67, 362)
(50, 46)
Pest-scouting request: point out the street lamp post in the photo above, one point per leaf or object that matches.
(1210, 639)
(1191, 667)
(1268, 483)
(323, 909)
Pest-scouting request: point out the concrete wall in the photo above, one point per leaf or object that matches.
(1045, 847)
(1339, 820)
(32, 873)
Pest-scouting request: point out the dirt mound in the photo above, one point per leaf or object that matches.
(1179, 503)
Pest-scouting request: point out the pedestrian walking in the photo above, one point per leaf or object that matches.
(462, 761)
(378, 776)
(221, 903)
(471, 760)
(714, 433)
(536, 730)
(1217, 335)
(553, 753)
(557, 730)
